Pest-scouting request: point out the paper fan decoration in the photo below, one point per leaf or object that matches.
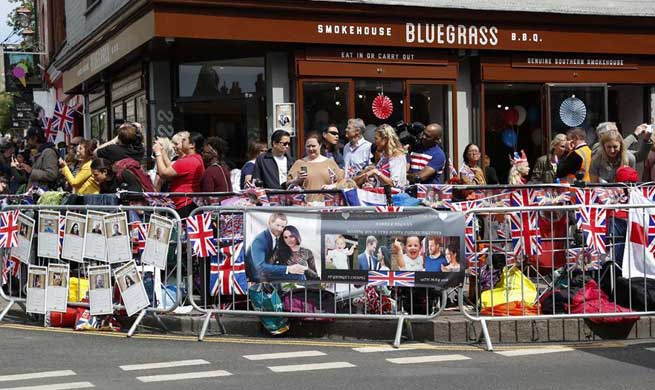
(573, 112)
(382, 107)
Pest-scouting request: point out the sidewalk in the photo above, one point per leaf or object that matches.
(451, 327)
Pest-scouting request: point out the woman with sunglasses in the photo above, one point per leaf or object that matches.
(330, 147)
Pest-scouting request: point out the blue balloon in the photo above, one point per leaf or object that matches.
(508, 136)
(532, 115)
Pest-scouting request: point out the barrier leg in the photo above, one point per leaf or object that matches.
(136, 323)
(160, 322)
(485, 332)
(221, 325)
(205, 325)
(6, 309)
(399, 332)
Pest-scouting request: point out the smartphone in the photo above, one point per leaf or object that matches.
(303, 169)
(649, 128)
(62, 152)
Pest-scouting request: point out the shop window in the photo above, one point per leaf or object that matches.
(130, 110)
(577, 106)
(141, 110)
(119, 114)
(225, 98)
(325, 103)
(99, 125)
(365, 93)
(429, 104)
(513, 122)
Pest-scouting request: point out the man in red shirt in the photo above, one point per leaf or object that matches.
(185, 173)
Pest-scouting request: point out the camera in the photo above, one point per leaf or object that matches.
(409, 133)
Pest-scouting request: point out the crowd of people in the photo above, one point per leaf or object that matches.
(189, 163)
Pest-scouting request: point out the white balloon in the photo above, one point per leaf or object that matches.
(522, 114)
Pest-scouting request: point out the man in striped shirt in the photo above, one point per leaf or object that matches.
(426, 163)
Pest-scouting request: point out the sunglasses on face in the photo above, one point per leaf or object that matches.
(333, 132)
(284, 143)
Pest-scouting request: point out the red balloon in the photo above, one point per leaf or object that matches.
(511, 116)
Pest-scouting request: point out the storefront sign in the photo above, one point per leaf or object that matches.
(573, 62)
(285, 117)
(406, 33)
(114, 49)
(376, 55)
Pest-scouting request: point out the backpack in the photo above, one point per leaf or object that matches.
(134, 167)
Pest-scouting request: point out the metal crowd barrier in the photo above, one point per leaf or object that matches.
(18, 295)
(571, 277)
(335, 301)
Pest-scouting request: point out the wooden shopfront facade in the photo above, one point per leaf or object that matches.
(221, 67)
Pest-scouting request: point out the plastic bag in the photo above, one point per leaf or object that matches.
(513, 286)
(264, 297)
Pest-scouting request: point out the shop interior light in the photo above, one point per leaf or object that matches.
(337, 88)
(360, 96)
(401, 102)
(506, 108)
(500, 106)
(338, 103)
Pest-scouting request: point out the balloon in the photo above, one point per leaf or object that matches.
(533, 115)
(522, 114)
(511, 116)
(508, 137)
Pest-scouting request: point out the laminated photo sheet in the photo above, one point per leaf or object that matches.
(24, 241)
(119, 249)
(159, 234)
(48, 237)
(36, 281)
(131, 287)
(100, 295)
(57, 287)
(73, 247)
(95, 243)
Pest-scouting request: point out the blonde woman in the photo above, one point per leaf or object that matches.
(167, 150)
(611, 156)
(545, 168)
(391, 168)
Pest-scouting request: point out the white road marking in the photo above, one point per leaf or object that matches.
(186, 375)
(152, 366)
(310, 367)
(381, 349)
(283, 355)
(58, 386)
(651, 349)
(533, 351)
(36, 375)
(427, 359)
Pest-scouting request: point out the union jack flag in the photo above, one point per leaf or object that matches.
(62, 232)
(201, 233)
(298, 199)
(591, 220)
(524, 227)
(390, 278)
(384, 167)
(63, 119)
(333, 175)
(650, 233)
(230, 226)
(649, 192)
(421, 191)
(159, 200)
(9, 229)
(10, 266)
(138, 235)
(228, 271)
(582, 258)
(49, 132)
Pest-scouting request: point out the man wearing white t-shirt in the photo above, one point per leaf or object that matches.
(272, 167)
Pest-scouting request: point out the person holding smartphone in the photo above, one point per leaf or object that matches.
(315, 171)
